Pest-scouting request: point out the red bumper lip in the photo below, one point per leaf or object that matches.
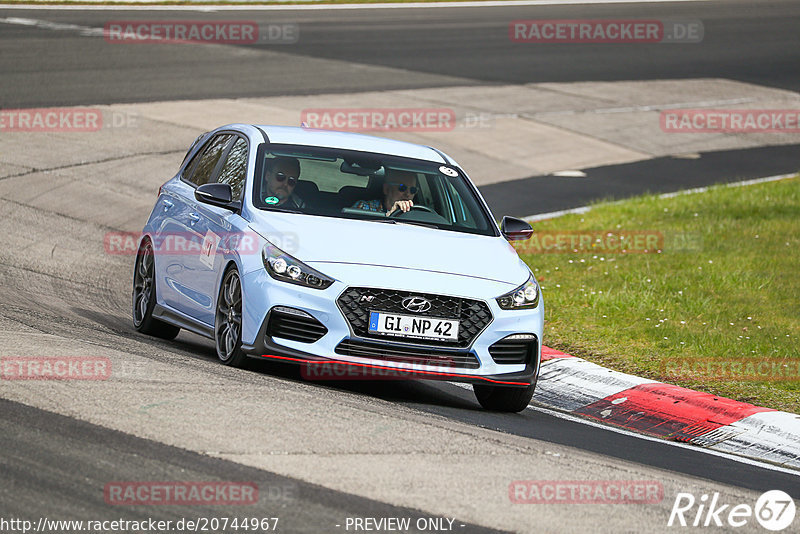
(412, 373)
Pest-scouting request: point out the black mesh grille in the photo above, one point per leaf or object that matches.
(508, 351)
(473, 315)
(295, 327)
(406, 354)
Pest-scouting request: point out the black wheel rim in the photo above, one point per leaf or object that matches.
(143, 284)
(229, 317)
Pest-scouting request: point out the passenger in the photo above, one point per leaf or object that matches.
(282, 173)
(399, 189)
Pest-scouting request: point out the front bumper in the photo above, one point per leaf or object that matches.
(351, 356)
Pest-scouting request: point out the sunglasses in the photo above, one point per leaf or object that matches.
(402, 187)
(292, 180)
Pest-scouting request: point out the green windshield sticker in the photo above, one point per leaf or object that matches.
(272, 200)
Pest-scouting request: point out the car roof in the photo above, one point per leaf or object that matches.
(292, 135)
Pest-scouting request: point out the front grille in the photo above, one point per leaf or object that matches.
(511, 351)
(405, 354)
(295, 327)
(356, 303)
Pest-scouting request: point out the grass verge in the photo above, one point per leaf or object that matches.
(715, 307)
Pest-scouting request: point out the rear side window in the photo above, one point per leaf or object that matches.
(194, 143)
(235, 170)
(199, 172)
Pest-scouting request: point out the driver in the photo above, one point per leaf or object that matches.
(281, 174)
(399, 189)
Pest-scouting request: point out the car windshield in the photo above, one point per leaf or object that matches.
(358, 185)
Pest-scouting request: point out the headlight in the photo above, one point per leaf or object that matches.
(285, 268)
(524, 297)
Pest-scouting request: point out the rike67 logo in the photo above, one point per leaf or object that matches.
(774, 510)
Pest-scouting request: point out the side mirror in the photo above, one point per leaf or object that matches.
(515, 229)
(220, 195)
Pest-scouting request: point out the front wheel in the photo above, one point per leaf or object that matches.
(228, 324)
(504, 398)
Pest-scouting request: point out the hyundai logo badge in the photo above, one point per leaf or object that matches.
(416, 304)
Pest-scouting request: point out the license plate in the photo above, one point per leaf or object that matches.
(416, 327)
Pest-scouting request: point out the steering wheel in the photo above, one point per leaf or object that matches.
(414, 207)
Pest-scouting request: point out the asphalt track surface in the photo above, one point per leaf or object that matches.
(32, 438)
(546, 194)
(743, 41)
(50, 460)
(425, 48)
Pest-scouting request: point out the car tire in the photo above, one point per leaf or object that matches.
(228, 320)
(504, 398)
(144, 296)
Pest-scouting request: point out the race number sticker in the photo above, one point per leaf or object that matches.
(209, 249)
(448, 171)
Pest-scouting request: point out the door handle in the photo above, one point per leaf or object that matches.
(194, 218)
(167, 204)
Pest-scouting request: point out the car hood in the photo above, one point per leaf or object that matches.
(318, 239)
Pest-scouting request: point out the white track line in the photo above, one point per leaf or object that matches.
(733, 184)
(584, 209)
(316, 7)
(554, 214)
(86, 31)
(728, 456)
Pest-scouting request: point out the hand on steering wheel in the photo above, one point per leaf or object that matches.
(397, 208)
(402, 205)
